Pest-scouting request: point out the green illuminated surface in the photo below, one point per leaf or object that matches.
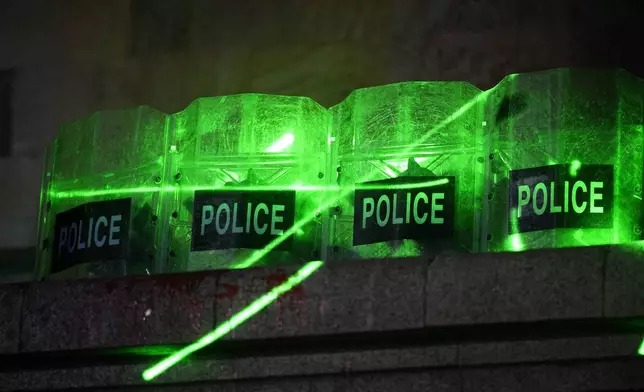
(347, 191)
(45, 222)
(378, 130)
(235, 321)
(121, 149)
(243, 143)
(249, 142)
(641, 350)
(567, 117)
(257, 142)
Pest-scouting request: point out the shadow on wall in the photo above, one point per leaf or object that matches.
(21, 178)
(17, 265)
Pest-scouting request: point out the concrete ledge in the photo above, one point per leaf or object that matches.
(599, 376)
(624, 295)
(549, 350)
(608, 368)
(514, 287)
(71, 315)
(340, 298)
(10, 310)
(372, 295)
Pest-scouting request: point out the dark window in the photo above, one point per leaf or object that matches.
(6, 123)
(160, 25)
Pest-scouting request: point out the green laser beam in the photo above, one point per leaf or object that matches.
(257, 255)
(236, 320)
(258, 188)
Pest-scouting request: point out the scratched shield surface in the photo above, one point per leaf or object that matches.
(417, 129)
(247, 143)
(110, 155)
(567, 117)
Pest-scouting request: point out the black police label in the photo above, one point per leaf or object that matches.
(561, 197)
(418, 208)
(252, 219)
(97, 231)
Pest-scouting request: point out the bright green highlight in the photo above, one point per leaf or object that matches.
(641, 350)
(574, 167)
(235, 321)
(282, 143)
(516, 243)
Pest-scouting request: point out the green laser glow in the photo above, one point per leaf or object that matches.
(282, 143)
(579, 235)
(517, 242)
(574, 168)
(258, 188)
(88, 193)
(236, 320)
(641, 350)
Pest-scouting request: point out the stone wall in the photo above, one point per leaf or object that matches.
(560, 320)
